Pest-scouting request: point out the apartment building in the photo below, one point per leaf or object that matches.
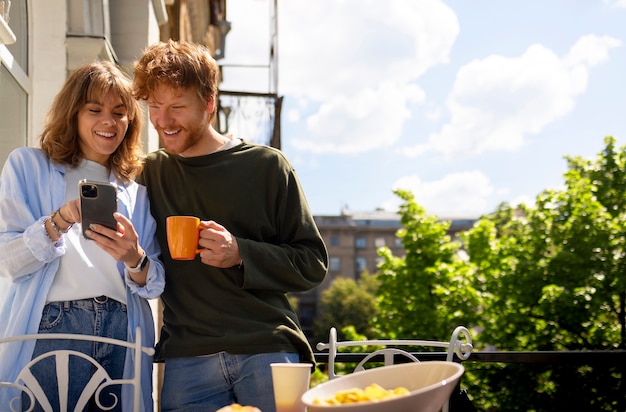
(353, 239)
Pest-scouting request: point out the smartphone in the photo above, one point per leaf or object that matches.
(98, 202)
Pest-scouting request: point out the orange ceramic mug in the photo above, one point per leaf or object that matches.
(183, 233)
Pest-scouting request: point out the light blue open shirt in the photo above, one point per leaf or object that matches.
(31, 187)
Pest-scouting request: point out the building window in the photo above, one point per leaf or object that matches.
(360, 243)
(334, 241)
(360, 264)
(14, 84)
(379, 242)
(18, 24)
(13, 108)
(306, 314)
(398, 242)
(335, 264)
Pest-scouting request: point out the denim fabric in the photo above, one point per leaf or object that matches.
(207, 383)
(87, 317)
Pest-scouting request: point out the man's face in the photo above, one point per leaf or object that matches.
(180, 118)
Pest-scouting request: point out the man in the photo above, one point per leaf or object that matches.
(226, 314)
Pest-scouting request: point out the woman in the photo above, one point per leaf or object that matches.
(55, 279)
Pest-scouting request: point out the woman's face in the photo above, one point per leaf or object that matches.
(102, 126)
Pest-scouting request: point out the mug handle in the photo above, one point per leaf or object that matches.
(201, 226)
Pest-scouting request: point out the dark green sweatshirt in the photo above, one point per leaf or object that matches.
(253, 191)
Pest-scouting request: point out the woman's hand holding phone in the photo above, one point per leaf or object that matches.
(111, 231)
(98, 203)
(96, 210)
(122, 244)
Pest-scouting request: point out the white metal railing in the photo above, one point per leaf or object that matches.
(26, 383)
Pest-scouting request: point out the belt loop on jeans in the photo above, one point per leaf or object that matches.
(101, 299)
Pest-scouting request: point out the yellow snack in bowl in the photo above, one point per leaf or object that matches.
(372, 393)
(235, 407)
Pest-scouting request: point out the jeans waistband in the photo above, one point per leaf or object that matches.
(98, 302)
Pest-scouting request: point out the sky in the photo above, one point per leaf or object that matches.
(467, 104)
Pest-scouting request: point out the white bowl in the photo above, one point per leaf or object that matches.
(430, 384)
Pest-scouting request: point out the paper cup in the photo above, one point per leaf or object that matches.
(290, 381)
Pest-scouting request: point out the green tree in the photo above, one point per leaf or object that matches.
(346, 302)
(553, 279)
(428, 292)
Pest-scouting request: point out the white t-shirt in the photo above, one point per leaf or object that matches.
(86, 271)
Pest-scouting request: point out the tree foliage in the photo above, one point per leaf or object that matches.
(428, 292)
(346, 303)
(552, 276)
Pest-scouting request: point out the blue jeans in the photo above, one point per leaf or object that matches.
(207, 383)
(85, 317)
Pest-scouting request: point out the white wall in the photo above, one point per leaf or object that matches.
(48, 59)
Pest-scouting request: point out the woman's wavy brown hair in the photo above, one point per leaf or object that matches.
(181, 65)
(91, 82)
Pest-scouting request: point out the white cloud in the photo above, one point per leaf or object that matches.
(328, 47)
(339, 55)
(456, 195)
(499, 100)
(591, 50)
(370, 119)
(414, 151)
(616, 3)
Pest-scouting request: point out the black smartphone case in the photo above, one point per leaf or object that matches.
(98, 209)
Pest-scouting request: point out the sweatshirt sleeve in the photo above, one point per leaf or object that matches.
(299, 260)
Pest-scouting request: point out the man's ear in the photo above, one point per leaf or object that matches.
(210, 106)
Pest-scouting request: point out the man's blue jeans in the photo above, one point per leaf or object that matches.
(85, 317)
(207, 383)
